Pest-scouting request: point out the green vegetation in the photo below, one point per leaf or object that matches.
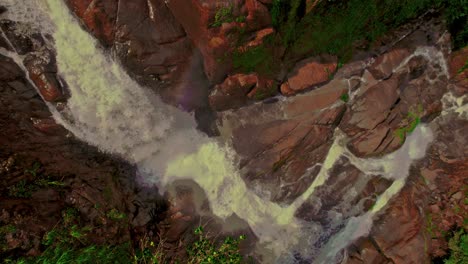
(429, 225)
(21, 190)
(34, 169)
(225, 15)
(344, 97)
(462, 69)
(114, 214)
(256, 59)
(204, 251)
(413, 121)
(334, 27)
(458, 246)
(456, 13)
(69, 243)
(25, 187)
(265, 93)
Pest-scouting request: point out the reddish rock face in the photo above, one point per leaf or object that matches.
(383, 112)
(238, 89)
(197, 17)
(308, 73)
(384, 65)
(44, 76)
(458, 60)
(290, 141)
(98, 16)
(150, 42)
(334, 198)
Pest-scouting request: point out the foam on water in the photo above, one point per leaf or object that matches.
(111, 111)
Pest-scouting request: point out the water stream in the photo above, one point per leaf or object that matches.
(111, 111)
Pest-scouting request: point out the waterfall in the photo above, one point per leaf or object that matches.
(111, 111)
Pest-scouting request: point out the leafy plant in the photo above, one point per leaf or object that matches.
(344, 97)
(456, 13)
(33, 170)
(225, 15)
(22, 189)
(458, 246)
(413, 121)
(205, 251)
(114, 214)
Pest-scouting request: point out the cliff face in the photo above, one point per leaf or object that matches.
(279, 103)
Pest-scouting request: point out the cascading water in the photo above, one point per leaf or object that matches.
(111, 111)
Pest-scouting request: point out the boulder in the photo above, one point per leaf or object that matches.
(309, 73)
(384, 65)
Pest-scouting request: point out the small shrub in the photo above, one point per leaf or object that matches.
(21, 190)
(254, 59)
(225, 15)
(33, 170)
(114, 214)
(413, 120)
(204, 251)
(458, 246)
(344, 97)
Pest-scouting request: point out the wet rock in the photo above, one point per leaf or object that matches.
(98, 16)
(309, 73)
(47, 125)
(346, 193)
(317, 99)
(196, 17)
(384, 65)
(8, 69)
(364, 251)
(399, 234)
(458, 76)
(150, 42)
(383, 112)
(355, 68)
(43, 73)
(290, 140)
(239, 89)
(22, 43)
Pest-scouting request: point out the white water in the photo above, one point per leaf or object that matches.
(111, 111)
